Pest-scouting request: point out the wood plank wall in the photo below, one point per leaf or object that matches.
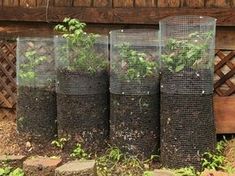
(120, 3)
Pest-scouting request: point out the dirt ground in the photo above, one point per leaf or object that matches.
(11, 142)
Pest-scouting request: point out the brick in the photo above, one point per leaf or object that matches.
(12, 160)
(77, 168)
(40, 166)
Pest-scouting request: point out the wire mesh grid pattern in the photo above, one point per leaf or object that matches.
(81, 68)
(35, 62)
(187, 119)
(134, 62)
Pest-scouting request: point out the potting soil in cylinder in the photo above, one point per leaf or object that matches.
(36, 96)
(82, 107)
(134, 99)
(187, 121)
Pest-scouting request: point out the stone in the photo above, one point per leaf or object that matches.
(215, 173)
(12, 160)
(77, 168)
(41, 166)
(159, 172)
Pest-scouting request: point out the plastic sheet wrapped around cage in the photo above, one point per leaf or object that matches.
(134, 88)
(82, 90)
(187, 123)
(36, 96)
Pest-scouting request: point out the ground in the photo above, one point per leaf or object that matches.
(14, 143)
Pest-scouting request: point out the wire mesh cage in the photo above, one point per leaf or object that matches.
(134, 62)
(35, 62)
(36, 97)
(82, 65)
(187, 62)
(134, 88)
(82, 90)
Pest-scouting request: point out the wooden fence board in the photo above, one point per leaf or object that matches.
(169, 3)
(192, 3)
(218, 3)
(63, 3)
(28, 3)
(123, 3)
(224, 114)
(145, 3)
(10, 3)
(43, 3)
(82, 3)
(226, 17)
(102, 3)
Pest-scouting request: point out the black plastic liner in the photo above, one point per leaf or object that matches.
(83, 117)
(134, 124)
(36, 112)
(187, 122)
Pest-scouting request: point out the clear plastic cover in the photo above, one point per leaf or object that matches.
(82, 65)
(35, 62)
(134, 62)
(188, 44)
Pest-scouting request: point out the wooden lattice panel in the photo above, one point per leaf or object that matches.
(225, 73)
(7, 74)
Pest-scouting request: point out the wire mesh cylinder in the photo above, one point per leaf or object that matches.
(82, 90)
(36, 97)
(134, 81)
(187, 122)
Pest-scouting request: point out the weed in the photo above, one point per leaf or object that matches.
(9, 171)
(148, 173)
(79, 152)
(187, 171)
(59, 143)
(216, 160)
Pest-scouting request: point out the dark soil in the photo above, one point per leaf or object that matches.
(82, 109)
(36, 112)
(134, 124)
(187, 122)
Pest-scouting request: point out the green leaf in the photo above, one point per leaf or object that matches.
(179, 67)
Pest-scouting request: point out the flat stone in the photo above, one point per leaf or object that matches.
(77, 168)
(159, 172)
(215, 173)
(41, 166)
(12, 160)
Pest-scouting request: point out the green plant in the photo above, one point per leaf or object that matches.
(187, 171)
(59, 143)
(79, 152)
(114, 162)
(9, 171)
(192, 52)
(148, 173)
(136, 65)
(32, 60)
(216, 160)
(82, 55)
